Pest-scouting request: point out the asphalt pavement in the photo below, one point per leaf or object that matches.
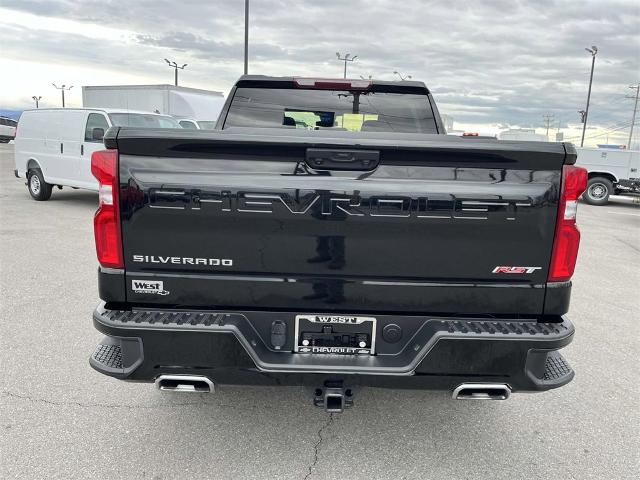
(61, 419)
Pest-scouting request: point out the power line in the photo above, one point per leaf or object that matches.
(597, 135)
(623, 126)
(609, 127)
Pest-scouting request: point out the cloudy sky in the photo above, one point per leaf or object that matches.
(490, 64)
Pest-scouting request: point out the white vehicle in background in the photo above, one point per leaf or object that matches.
(207, 124)
(522, 134)
(611, 172)
(181, 102)
(53, 146)
(188, 124)
(7, 129)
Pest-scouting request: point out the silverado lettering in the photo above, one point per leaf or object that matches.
(213, 262)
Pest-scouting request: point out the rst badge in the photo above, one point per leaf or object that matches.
(516, 270)
(148, 286)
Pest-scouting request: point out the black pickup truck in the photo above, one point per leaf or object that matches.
(330, 234)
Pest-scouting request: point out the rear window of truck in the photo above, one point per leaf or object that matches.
(311, 109)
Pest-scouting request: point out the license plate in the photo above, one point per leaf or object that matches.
(335, 334)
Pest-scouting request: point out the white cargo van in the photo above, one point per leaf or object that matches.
(54, 146)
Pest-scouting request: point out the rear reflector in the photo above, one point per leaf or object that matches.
(331, 84)
(106, 223)
(567, 237)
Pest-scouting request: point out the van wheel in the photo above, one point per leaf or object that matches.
(598, 191)
(38, 188)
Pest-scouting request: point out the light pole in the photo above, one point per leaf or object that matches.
(176, 67)
(345, 59)
(37, 100)
(635, 109)
(401, 77)
(62, 88)
(593, 51)
(246, 37)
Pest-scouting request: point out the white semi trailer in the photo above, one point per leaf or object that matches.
(611, 172)
(522, 134)
(204, 106)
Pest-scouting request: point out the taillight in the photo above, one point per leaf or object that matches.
(567, 238)
(106, 223)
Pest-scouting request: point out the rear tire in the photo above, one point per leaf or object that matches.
(598, 191)
(38, 188)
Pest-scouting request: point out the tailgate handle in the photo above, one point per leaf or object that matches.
(331, 159)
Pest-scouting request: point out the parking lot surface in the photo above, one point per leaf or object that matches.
(61, 419)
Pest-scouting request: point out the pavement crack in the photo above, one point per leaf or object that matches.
(90, 404)
(630, 245)
(316, 448)
(201, 403)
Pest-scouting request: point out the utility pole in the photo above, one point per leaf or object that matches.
(175, 66)
(402, 77)
(37, 98)
(593, 51)
(346, 59)
(635, 109)
(547, 122)
(62, 88)
(558, 134)
(246, 37)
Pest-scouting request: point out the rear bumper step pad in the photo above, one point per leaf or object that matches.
(139, 332)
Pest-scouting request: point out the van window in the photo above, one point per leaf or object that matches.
(95, 120)
(143, 120)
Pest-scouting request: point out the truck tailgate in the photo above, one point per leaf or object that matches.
(247, 220)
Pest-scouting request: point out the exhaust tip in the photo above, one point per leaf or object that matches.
(482, 391)
(184, 383)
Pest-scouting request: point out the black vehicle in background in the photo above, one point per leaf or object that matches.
(329, 234)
